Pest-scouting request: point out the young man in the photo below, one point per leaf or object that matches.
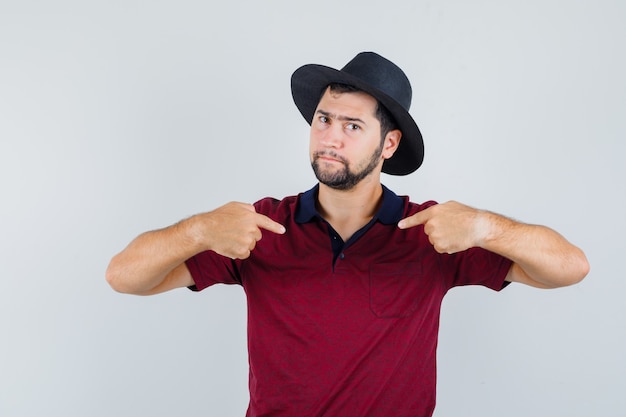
(344, 282)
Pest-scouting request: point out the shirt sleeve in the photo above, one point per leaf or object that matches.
(208, 268)
(477, 266)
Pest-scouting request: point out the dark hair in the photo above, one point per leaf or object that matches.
(387, 122)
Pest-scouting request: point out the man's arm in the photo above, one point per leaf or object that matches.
(154, 262)
(542, 257)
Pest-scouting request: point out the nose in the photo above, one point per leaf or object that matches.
(332, 137)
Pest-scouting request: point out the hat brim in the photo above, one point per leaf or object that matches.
(307, 85)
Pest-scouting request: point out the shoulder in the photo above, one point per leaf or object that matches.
(275, 208)
(401, 205)
(412, 207)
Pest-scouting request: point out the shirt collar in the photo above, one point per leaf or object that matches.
(390, 211)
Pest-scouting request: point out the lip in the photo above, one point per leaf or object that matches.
(329, 158)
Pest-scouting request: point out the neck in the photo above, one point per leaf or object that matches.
(349, 210)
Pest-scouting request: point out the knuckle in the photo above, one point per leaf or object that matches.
(242, 253)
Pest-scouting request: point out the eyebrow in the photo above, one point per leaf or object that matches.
(340, 117)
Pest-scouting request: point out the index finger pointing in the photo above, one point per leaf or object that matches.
(266, 223)
(417, 219)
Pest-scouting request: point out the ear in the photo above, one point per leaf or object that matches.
(392, 140)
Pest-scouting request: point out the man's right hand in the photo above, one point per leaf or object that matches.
(234, 229)
(155, 261)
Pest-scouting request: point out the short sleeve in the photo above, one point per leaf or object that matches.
(477, 266)
(208, 268)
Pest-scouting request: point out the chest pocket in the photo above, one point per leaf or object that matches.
(397, 289)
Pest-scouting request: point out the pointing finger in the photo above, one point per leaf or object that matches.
(415, 220)
(266, 223)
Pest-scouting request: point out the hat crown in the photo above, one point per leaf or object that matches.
(383, 75)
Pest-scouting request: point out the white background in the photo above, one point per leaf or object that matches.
(118, 117)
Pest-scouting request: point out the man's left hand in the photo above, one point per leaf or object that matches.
(451, 227)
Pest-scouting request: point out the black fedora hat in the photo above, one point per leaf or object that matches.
(380, 78)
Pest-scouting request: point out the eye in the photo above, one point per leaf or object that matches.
(323, 119)
(353, 126)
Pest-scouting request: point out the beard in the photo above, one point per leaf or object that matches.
(345, 179)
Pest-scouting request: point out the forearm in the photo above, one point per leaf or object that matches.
(542, 256)
(146, 262)
(154, 261)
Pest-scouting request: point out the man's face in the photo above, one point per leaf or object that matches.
(346, 144)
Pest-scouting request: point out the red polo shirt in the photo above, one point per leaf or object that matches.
(344, 329)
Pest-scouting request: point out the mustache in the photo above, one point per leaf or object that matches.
(329, 154)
